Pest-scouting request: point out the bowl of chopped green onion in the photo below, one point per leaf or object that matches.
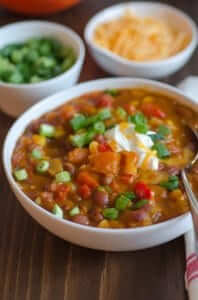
(37, 59)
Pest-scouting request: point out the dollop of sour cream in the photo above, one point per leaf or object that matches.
(123, 137)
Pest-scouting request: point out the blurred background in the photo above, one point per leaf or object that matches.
(47, 7)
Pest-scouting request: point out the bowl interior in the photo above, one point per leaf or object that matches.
(171, 15)
(21, 31)
(56, 100)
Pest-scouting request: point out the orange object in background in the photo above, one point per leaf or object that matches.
(37, 7)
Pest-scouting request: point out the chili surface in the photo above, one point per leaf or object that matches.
(108, 159)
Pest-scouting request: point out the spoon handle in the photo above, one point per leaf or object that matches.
(191, 196)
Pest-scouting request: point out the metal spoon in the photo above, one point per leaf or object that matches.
(190, 194)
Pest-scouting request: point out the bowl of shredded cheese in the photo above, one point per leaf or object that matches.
(141, 39)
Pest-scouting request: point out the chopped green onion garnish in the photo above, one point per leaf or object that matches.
(99, 127)
(57, 211)
(130, 195)
(78, 122)
(171, 184)
(95, 126)
(20, 174)
(110, 213)
(104, 114)
(141, 128)
(35, 60)
(155, 137)
(162, 150)
(121, 113)
(42, 166)
(163, 131)
(63, 176)
(140, 122)
(36, 153)
(91, 120)
(91, 133)
(74, 211)
(47, 130)
(79, 140)
(122, 202)
(112, 92)
(84, 138)
(140, 204)
(16, 77)
(35, 79)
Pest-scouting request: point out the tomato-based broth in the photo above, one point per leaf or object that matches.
(108, 159)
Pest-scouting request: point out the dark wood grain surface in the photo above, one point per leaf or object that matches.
(35, 265)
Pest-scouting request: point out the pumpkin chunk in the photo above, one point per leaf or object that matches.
(129, 163)
(105, 162)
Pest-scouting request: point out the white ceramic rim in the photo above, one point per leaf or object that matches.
(69, 32)
(154, 63)
(130, 81)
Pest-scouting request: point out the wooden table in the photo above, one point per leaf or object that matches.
(35, 265)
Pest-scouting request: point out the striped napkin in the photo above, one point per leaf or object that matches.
(191, 275)
(190, 87)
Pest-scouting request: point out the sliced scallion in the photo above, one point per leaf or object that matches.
(47, 130)
(99, 127)
(162, 150)
(36, 153)
(57, 211)
(122, 202)
(63, 177)
(21, 174)
(42, 166)
(171, 184)
(139, 204)
(74, 211)
(111, 213)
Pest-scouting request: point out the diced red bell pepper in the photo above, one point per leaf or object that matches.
(152, 110)
(105, 101)
(84, 191)
(142, 190)
(104, 147)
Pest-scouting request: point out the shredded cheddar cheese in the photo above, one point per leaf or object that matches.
(140, 39)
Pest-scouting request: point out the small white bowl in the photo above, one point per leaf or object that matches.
(16, 98)
(117, 65)
(91, 237)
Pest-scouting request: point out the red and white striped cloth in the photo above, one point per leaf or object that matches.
(191, 275)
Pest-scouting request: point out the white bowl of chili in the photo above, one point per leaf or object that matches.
(87, 236)
(112, 47)
(17, 97)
